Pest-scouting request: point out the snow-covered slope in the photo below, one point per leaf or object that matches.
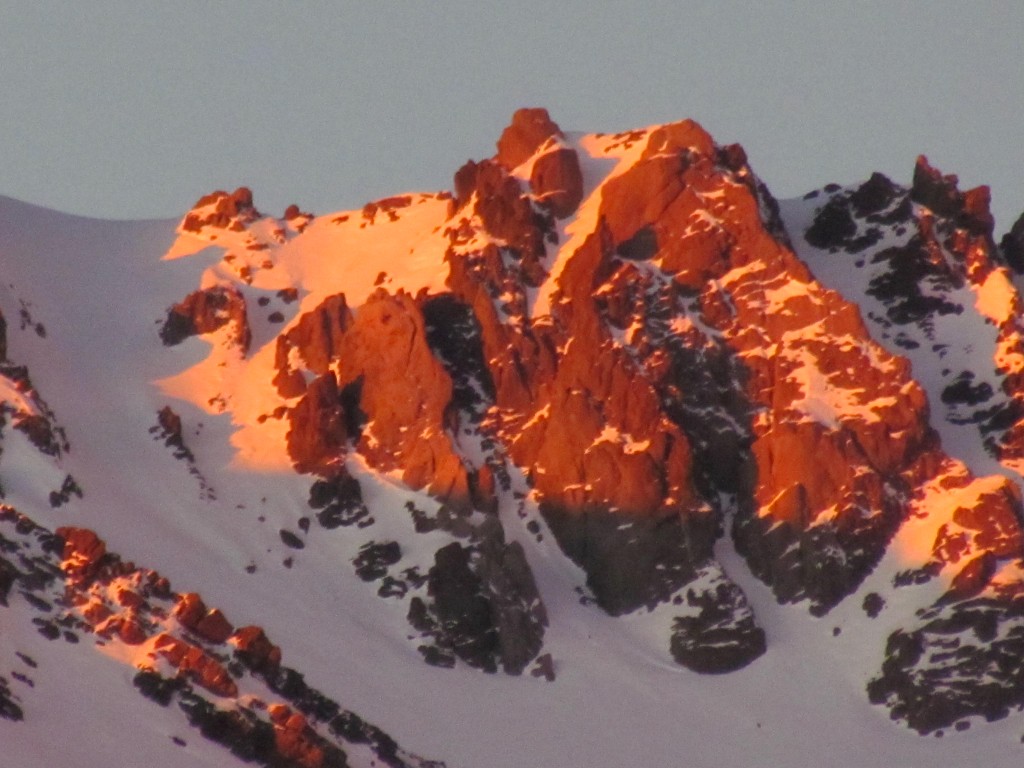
(602, 459)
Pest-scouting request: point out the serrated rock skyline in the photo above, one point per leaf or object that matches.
(607, 386)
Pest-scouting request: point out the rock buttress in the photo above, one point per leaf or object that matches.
(582, 414)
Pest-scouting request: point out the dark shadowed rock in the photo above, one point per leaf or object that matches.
(940, 193)
(934, 190)
(338, 500)
(832, 225)
(517, 612)
(874, 195)
(9, 709)
(722, 635)
(630, 561)
(462, 611)
(375, 558)
(483, 606)
(1012, 245)
(961, 661)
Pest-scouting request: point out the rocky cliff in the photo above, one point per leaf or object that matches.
(605, 373)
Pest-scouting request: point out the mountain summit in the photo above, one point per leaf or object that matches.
(603, 457)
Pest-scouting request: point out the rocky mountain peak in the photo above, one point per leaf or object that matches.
(940, 193)
(605, 410)
(530, 129)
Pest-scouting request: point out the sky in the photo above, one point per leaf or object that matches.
(119, 109)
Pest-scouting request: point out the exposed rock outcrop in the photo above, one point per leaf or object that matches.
(557, 182)
(222, 210)
(930, 257)
(583, 414)
(968, 210)
(926, 256)
(318, 436)
(206, 311)
(1012, 245)
(195, 659)
(406, 416)
(316, 338)
(721, 636)
(529, 130)
(606, 427)
(482, 607)
(962, 660)
(660, 372)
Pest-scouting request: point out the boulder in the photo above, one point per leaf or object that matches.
(214, 627)
(189, 610)
(255, 650)
(83, 552)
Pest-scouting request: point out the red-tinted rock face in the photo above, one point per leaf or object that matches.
(397, 390)
(407, 416)
(650, 197)
(557, 182)
(506, 213)
(927, 262)
(941, 252)
(211, 625)
(189, 609)
(222, 210)
(191, 660)
(255, 649)
(206, 311)
(585, 421)
(691, 242)
(318, 434)
(934, 190)
(83, 552)
(604, 433)
(928, 677)
(529, 129)
(317, 336)
(125, 613)
(673, 367)
(294, 739)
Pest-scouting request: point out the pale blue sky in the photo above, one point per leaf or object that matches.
(135, 109)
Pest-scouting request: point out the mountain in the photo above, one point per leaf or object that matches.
(604, 457)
